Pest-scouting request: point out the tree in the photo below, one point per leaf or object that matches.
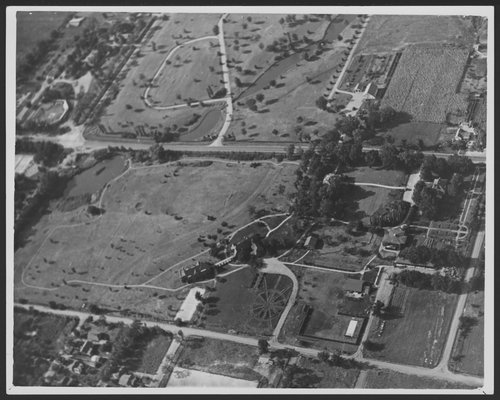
(198, 296)
(387, 114)
(428, 203)
(215, 30)
(389, 155)
(259, 97)
(290, 151)
(455, 185)
(377, 308)
(324, 356)
(263, 346)
(321, 103)
(372, 158)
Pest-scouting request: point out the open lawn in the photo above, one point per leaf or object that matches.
(386, 379)
(468, 351)
(390, 177)
(391, 32)
(220, 357)
(416, 332)
(312, 373)
(323, 291)
(425, 82)
(188, 73)
(363, 201)
(153, 219)
(247, 302)
(154, 353)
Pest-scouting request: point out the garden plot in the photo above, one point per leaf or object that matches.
(416, 331)
(420, 88)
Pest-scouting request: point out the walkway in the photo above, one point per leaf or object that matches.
(227, 84)
(380, 186)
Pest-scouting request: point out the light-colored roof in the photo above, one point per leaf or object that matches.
(351, 328)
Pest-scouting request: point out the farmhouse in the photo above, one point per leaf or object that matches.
(198, 272)
(394, 239)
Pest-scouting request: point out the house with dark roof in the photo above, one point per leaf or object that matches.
(394, 239)
(199, 272)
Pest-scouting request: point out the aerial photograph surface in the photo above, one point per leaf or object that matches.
(246, 201)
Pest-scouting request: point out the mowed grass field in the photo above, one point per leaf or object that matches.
(220, 357)
(390, 177)
(468, 351)
(386, 379)
(34, 26)
(154, 353)
(128, 112)
(417, 335)
(425, 82)
(151, 223)
(391, 32)
(188, 73)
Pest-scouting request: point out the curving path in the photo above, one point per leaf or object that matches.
(380, 186)
(275, 266)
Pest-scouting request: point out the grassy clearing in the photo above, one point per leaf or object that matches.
(380, 176)
(413, 132)
(385, 379)
(154, 354)
(220, 357)
(468, 352)
(190, 71)
(363, 201)
(237, 301)
(417, 334)
(390, 32)
(313, 373)
(151, 222)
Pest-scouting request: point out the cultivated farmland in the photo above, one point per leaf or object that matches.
(416, 332)
(425, 82)
(386, 379)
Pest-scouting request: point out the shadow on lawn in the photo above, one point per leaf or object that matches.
(352, 211)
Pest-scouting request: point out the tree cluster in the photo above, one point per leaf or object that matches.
(444, 257)
(45, 152)
(420, 280)
(390, 214)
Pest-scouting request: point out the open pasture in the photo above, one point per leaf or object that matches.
(416, 331)
(188, 73)
(153, 219)
(388, 379)
(391, 32)
(425, 82)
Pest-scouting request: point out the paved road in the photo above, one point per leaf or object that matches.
(187, 331)
(455, 323)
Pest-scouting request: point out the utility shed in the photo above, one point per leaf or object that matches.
(351, 328)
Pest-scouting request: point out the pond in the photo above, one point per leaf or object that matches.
(338, 24)
(93, 179)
